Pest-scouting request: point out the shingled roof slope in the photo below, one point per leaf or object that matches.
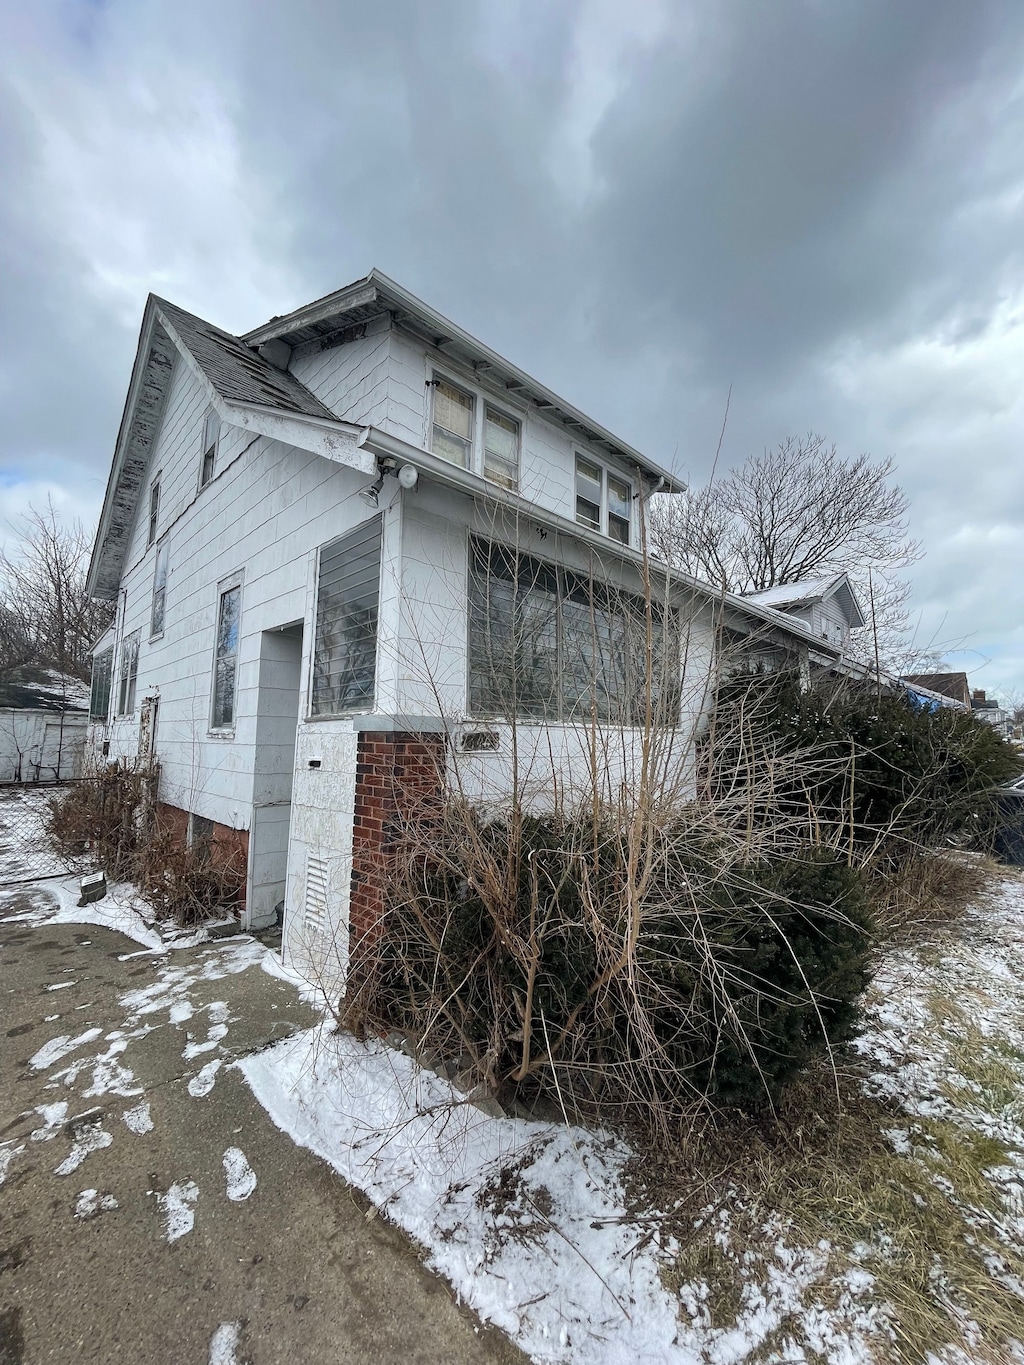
(237, 371)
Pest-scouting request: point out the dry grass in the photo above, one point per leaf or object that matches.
(927, 892)
(927, 1221)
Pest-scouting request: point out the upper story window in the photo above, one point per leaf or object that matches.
(347, 599)
(211, 436)
(453, 422)
(501, 448)
(474, 435)
(604, 501)
(154, 510)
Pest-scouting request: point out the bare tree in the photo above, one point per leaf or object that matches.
(797, 512)
(46, 615)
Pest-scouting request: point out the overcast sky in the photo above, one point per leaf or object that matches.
(817, 202)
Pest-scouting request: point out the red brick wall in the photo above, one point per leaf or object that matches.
(225, 839)
(398, 776)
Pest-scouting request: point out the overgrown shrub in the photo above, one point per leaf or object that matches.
(112, 821)
(560, 956)
(891, 774)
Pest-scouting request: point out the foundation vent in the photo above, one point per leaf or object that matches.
(315, 916)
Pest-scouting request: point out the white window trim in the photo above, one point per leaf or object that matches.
(580, 452)
(483, 399)
(235, 580)
(126, 640)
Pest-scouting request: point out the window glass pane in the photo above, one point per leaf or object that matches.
(159, 590)
(345, 652)
(99, 693)
(501, 449)
(513, 635)
(588, 513)
(590, 633)
(588, 493)
(620, 497)
(154, 511)
(128, 674)
(453, 424)
(225, 666)
(618, 529)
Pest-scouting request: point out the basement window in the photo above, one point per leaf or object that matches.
(129, 673)
(102, 679)
(347, 600)
(211, 437)
(225, 661)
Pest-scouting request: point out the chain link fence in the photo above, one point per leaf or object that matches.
(26, 851)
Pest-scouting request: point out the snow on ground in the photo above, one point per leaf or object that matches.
(528, 1220)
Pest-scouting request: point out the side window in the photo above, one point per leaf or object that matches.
(225, 660)
(588, 493)
(211, 436)
(102, 677)
(501, 448)
(347, 598)
(129, 674)
(154, 510)
(452, 424)
(156, 626)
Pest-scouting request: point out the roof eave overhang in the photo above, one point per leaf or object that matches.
(378, 292)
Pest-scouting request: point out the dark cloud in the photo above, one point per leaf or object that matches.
(816, 202)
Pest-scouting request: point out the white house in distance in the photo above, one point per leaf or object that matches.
(348, 550)
(43, 724)
(827, 606)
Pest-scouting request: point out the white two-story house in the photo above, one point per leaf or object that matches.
(355, 549)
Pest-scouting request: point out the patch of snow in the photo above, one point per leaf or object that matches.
(53, 1119)
(224, 1344)
(90, 1203)
(89, 1139)
(8, 1151)
(240, 1176)
(180, 1011)
(61, 985)
(179, 1213)
(139, 1119)
(202, 1083)
(193, 1050)
(59, 1047)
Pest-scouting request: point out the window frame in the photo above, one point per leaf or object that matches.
(154, 509)
(159, 590)
(606, 516)
(210, 447)
(225, 729)
(101, 717)
(612, 614)
(483, 402)
(128, 677)
(363, 706)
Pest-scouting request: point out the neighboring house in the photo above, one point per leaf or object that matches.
(348, 550)
(828, 607)
(43, 721)
(990, 711)
(953, 686)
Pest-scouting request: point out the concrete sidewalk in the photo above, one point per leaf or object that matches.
(109, 1155)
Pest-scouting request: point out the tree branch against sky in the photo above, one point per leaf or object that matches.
(799, 511)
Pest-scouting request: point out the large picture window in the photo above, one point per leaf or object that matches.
(102, 678)
(347, 599)
(551, 644)
(225, 663)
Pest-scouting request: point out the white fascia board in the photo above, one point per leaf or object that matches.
(441, 471)
(339, 441)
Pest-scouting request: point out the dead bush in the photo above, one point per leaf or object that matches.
(190, 883)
